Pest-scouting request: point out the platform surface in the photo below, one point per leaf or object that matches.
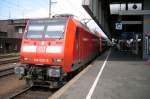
(124, 76)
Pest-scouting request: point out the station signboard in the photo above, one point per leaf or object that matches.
(118, 26)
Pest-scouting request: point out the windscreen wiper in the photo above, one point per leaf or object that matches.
(61, 35)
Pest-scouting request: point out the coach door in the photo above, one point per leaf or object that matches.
(78, 44)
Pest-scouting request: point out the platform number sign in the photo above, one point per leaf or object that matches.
(118, 26)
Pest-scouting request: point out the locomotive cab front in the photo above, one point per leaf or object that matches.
(42, 51)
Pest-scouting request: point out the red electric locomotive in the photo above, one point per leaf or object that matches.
(53, 48)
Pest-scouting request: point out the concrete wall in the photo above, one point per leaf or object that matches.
(98, 11)
(146, 30)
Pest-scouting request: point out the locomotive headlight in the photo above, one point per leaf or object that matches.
(55, 60)
(53, 72)
(25, 59)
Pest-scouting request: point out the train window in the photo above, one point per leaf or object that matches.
(55, 31)
(36, 28)
(55, 28)
(34, 34)
(35, 31)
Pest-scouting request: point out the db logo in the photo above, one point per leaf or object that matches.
(41, 49)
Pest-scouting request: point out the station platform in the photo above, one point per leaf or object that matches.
(113, 75)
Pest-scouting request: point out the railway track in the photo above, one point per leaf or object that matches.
(9, 55)
(9, 60)
(7, 71)
(32, 93)
(36, 92)
(19, 93)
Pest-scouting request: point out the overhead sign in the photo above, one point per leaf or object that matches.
(118, 26)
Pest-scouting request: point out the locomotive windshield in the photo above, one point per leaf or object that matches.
(35, 31)
(46, 28)
(54, 31)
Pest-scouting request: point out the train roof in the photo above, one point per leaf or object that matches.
(81, 25)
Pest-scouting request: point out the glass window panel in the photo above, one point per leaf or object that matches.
(32, 34)
(36, 28)
(55, 28)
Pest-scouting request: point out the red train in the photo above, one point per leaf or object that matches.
(53, 48)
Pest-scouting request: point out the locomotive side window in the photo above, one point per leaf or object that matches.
(54, 31)
(35, 31)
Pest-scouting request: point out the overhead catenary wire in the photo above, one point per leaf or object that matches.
(10, 4)
(22, 7)
(16, 5)
(76, 9)
(13, 6)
